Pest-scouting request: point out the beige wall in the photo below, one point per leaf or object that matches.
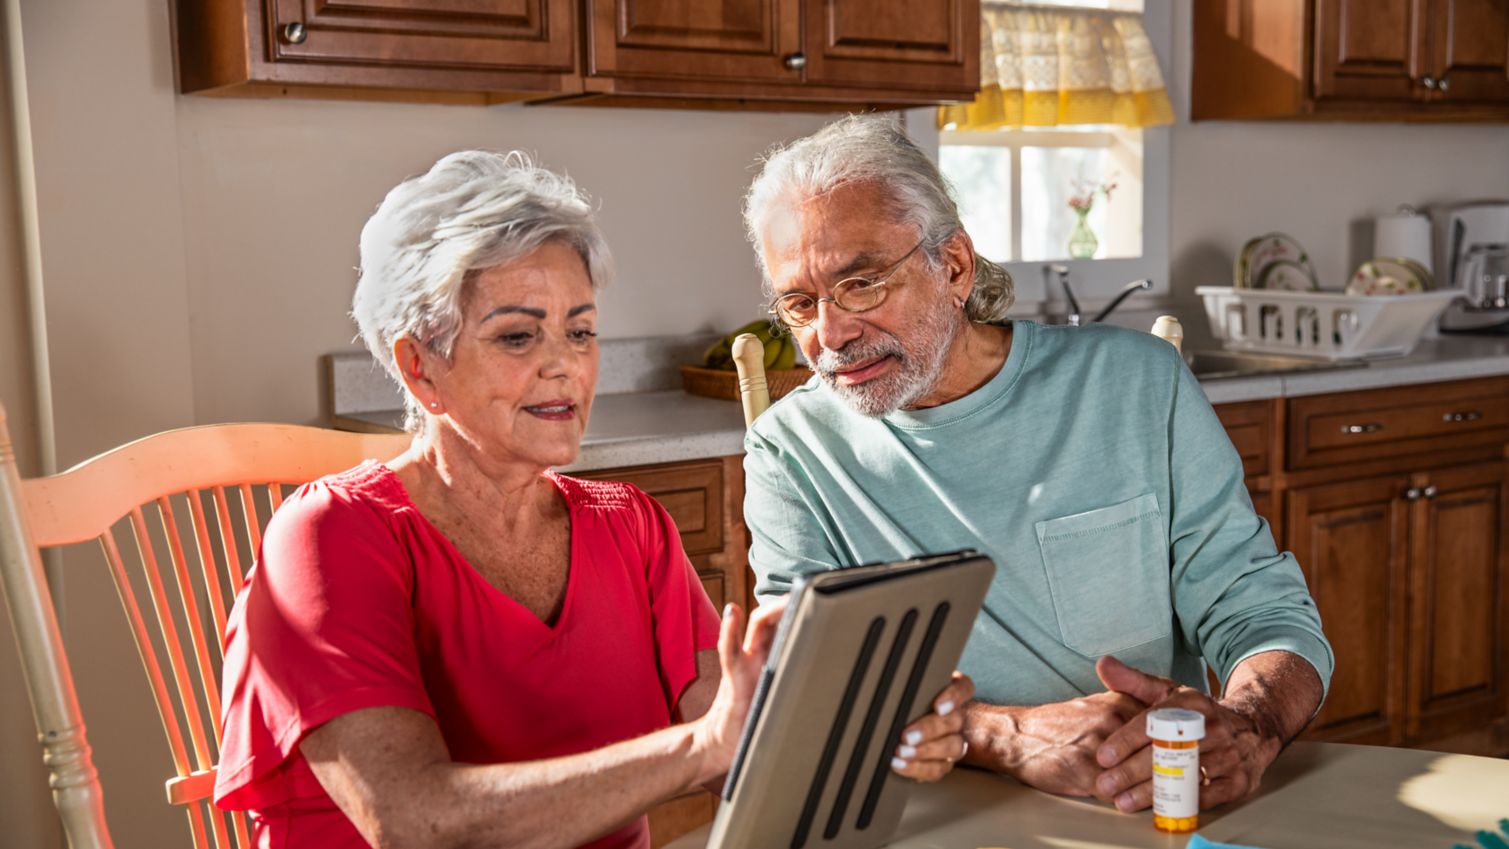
(1235, 180)
(199, 252)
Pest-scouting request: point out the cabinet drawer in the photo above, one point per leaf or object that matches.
(712, 584)
(1249, 424)
(691, 492)
(1349, 427)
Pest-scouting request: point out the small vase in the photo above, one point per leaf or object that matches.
(1082, 242)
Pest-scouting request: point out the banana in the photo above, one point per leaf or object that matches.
(787, 358)
(719, 355)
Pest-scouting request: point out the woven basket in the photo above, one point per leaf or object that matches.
(716, 383)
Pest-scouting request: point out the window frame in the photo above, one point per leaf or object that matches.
(1096, 281)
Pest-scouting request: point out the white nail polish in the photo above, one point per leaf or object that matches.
(914, 737)
(898, 763)
(907, 751)
(946, 708)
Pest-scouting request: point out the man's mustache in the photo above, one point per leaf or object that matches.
(830, 361)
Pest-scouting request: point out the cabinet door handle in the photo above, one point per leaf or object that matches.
(1428, 81)
(1413, 493)
(1465, 416)
(1370, 427)
(1444, 84)
(795, 62)
(294, 33)
(1430, 491)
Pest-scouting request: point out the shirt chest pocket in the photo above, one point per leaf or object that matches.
(1108, 573)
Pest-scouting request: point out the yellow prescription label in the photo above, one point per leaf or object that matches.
(1168, 770)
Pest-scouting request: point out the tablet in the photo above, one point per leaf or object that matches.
(859, 654)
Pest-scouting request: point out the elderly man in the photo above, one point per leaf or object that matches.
(1085, 461)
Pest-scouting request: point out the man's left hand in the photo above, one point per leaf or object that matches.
(1237, 749)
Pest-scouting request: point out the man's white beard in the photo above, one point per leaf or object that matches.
(916, 372)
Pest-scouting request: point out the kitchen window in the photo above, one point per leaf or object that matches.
(1025, 166)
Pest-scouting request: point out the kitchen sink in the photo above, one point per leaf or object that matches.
(1215, 364)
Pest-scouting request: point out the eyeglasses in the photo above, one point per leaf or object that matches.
(852, 294)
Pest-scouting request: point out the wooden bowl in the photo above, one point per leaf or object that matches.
(717, 383)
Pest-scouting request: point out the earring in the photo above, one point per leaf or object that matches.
(434, 405)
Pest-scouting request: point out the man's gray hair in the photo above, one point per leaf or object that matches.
(872, 148)
(432, 234)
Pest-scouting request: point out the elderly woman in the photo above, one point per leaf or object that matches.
(460, 646)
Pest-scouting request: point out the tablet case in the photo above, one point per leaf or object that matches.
(859, 654)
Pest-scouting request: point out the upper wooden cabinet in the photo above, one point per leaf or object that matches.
(828, 53)
(1396, 60)
(456, 50)
(783, 51)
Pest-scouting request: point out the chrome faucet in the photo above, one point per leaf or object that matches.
(1075, 317)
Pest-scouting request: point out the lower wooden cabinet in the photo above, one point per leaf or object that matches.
(1396, 502)
(1409, 572)
(1458, 643)
(1351, 539)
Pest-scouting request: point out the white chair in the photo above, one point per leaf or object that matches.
(191, 503)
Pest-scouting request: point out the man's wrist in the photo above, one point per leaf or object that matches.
(991, 731)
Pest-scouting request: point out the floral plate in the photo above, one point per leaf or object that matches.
(1389, 276)
(1260, 253)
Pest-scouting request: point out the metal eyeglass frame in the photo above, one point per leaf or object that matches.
(878, 282)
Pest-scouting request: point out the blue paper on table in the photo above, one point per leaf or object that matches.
(1198, 842)
(1490, 840)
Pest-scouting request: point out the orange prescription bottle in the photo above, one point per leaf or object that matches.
(1176, 736)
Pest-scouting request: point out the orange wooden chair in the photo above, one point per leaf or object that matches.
(190, 503)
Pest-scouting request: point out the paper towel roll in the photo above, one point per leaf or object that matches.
(1405, 234)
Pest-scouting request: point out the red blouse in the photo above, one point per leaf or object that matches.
(357, 601)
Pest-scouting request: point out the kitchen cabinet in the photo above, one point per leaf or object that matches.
(1393, 60)
(781, 52)
(822, 54)
(1409, 574)
(1396, 504)
(463, 51)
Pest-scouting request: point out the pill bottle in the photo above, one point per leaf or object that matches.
(1176, 736)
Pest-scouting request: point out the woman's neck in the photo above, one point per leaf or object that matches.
(447, 474)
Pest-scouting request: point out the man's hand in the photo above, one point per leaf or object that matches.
(1051, 747)
(1243, 732)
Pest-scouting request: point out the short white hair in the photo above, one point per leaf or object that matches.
(872, 149)
(473, 210)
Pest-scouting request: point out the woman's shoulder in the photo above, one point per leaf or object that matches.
(367, 493)
(590, 494)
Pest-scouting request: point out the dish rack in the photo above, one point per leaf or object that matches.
(1328, 325)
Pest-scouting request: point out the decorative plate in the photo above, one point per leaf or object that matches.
(1259, 253)
(1386, 276)
(1286, 275)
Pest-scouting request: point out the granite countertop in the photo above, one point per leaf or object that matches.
(667, 425)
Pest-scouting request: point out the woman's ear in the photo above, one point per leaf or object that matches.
(416, 365)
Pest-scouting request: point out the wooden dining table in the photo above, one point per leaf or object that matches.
(1315, 796)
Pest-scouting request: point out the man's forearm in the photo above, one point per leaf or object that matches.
(991, 732)
(1280, 691)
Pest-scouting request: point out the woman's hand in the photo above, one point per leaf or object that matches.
(741, 657)
(930, 746)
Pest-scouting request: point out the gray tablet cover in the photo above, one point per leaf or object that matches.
(859, 654)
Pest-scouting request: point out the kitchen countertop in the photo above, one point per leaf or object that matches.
(639, 428)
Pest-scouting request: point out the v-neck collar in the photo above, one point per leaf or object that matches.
(403, 501)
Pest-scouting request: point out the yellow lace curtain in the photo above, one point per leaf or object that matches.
(1045, 67)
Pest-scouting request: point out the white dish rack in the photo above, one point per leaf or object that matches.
(1328, 325)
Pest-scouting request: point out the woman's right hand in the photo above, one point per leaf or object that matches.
(741, 657)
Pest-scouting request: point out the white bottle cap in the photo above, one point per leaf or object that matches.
(1168, 328)
(1176, 724)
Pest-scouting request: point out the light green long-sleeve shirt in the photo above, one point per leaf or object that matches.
(1096, 475)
